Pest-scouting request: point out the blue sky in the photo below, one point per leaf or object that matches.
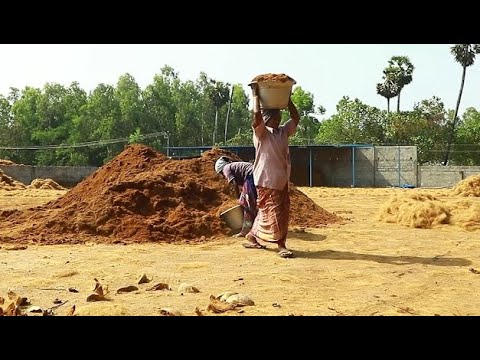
(329, 71)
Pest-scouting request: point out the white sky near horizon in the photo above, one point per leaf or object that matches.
(328, 71)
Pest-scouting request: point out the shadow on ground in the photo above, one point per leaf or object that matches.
(394, 260)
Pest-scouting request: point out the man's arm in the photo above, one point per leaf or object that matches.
(291, 125)
(228, 173)
(293, 112)
(235, 185)
(257, 122)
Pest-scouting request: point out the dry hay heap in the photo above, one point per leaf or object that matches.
(142, 196)
(468, 187)
(414, 210)
(426, 211)
(45, 184)
(7, 183)
(272, 77)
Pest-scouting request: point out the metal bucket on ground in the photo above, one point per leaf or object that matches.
(233, 217)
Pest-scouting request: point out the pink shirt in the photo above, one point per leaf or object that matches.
(271, 168)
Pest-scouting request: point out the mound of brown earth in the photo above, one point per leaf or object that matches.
(142, 196)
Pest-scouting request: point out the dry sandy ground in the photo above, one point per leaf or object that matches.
(361, 268)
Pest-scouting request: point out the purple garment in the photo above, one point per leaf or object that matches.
(238, 170)
(248, 199)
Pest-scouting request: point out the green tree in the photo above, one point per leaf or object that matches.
(424, 127)
(41, 118)
(354, 122)
(239, 118)
(467, 151)
(188, 106)
(97, 122)
(5, 119)
(136, 137)
(24, 123)
(429, 129)
(207, 113)
(388, 89)
(218, 93)
(399, 71)
(309, 124)
(159, 107)
(470, 128)
(243, 137)
(56, 111)
(13, 95)
(464, 54)
(5, 125)
(128, 96)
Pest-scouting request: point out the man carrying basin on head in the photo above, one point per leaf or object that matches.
(271, 173)
(240, 175)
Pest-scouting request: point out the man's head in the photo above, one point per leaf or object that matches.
(220, 164)
(272, 117)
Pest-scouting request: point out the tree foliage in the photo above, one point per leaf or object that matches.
(396, 75)
(94, 127)
(464, 54)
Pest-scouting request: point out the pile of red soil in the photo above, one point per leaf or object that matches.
(272, 77)
(143, 196)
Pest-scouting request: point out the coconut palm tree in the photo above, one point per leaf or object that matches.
(465, 55)
(400, 72)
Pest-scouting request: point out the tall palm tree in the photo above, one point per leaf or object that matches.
(399, 71)
(465, 55)
(228, 113)
(219, 95)
(388, 89)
